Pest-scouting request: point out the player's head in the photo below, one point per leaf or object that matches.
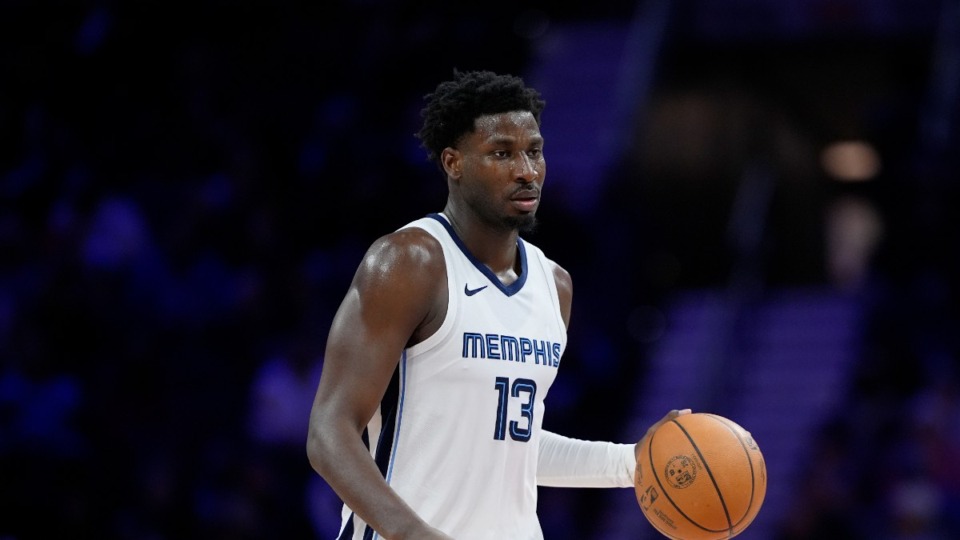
(454, 106)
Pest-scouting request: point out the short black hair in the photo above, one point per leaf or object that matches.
(455, 104)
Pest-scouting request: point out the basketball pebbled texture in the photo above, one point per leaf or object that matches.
(700, 476)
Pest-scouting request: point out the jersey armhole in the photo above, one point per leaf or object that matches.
(435, 229)
(547, 267)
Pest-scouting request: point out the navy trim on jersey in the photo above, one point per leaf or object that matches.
(388, 417)
(391, 415)
(508, 290)
(401, 375)
(347, 532)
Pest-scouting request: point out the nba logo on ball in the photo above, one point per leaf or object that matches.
(681, 471)
(700, 477)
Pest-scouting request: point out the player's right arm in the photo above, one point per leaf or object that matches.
(395, 299)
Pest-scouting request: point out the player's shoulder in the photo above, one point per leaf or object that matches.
(410, 248)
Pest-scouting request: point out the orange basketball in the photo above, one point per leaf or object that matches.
(700, 476)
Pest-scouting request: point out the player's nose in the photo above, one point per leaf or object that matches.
(525, 168)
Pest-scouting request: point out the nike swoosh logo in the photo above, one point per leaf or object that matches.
(471, 292)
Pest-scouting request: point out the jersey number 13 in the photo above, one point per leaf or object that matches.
(526, 390)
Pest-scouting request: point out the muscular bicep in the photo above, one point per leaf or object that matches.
(391, 296)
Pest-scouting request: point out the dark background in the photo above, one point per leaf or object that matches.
(186, 190)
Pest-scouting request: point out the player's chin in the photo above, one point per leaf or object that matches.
(526, 223)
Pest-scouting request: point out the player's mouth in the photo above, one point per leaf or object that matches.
(526, 200)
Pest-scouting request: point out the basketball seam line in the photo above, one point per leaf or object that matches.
(746, 451)
(666, 494)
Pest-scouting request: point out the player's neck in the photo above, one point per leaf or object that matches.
(495, 248)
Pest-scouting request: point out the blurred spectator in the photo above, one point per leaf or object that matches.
(281, 394)
(854, 229)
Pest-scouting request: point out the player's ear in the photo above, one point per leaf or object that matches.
(452, 160)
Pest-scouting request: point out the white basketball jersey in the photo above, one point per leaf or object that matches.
(458, 431)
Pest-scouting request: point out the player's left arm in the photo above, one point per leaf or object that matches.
(568, 462)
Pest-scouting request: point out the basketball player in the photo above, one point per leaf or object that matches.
(427, 418)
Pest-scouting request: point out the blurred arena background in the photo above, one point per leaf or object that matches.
(757, 200)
